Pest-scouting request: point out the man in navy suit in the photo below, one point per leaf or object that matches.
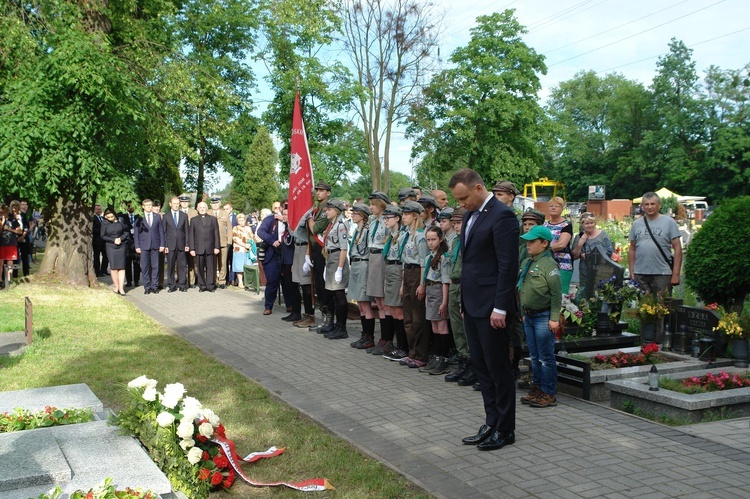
(489, 244)
(175, 224)
(270, 231)
(133, 263)
(149, 242)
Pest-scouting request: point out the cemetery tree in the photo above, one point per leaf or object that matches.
(716, 265)
(261, 161)
(298, 36)
(210, 83)
(392, 47)
(80, 116)
(483, 113)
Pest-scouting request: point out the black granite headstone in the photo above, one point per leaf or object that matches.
(696, 320)
(599, 267)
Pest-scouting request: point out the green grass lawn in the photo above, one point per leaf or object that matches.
(92, 336)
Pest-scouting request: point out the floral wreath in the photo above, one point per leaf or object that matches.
(189, 442)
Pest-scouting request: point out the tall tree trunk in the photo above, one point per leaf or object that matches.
(68, 255)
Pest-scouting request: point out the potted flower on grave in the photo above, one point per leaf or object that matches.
(572, 317)
(737, 329)
(609, 299)
(651, 309)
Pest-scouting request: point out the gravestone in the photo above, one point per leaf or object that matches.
(690, 321)
(599, 267)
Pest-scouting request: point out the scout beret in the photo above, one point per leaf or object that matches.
(412, 207)
(458, 214)
(392, 210)
(505, 185)
(336, 203)
(445, 214)
(532, 214)
(322, 186)
(426, 199)
(362, 208)
(380, 195)
(538, 232)
(406, 192)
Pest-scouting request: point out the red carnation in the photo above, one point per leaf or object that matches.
(219, 430)
(203, 474)
(221, 461)
(201, 438)
(229, 480)
(206, 456)
(216, 478)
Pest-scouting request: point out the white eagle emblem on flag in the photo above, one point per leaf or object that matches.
(296, 160)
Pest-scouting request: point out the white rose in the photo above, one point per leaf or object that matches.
(173, 392)
(138, 382)
(206, 430)
(169, 402)
(211, 417)
(194, 455)
(191, 408)
(187, 443)
(149, 393)
(185, 429)
(165, 419)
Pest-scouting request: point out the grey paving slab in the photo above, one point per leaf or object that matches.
(77, 396)
(413, 422)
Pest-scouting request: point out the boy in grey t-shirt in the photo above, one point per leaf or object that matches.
(646, 262)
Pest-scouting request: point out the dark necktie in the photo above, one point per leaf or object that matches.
(175, 218)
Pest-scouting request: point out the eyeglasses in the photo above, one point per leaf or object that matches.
(587, 215)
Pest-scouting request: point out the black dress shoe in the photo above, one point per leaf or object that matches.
(457, 374)
(469, 377)
(183, 289)
(148, 291)
(482, 435)
(155, 291)
(292, 317)
(202, 290)
(476, 387)
(171, 290)
(498, 440)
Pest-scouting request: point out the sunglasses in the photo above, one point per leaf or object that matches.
(587, 215)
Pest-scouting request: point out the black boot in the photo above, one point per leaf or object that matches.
(469, 377)
(453, 377)
(328, 325)
(338, 333)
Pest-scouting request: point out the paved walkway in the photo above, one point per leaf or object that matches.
(413, 422)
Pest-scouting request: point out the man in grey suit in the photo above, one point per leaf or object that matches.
(489, 245)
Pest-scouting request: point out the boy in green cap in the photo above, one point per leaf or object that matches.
(540, 292)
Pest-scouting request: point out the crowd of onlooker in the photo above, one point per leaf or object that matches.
(18, 231)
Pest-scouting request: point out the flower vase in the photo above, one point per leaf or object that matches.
(648, 332)
(740, 353)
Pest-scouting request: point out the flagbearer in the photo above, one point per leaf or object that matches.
(317, 226)
(337, 265)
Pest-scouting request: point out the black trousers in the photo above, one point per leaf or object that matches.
(290, 289)
(324, 297)
(100, 257)
(178, 259)
(133, 267)
(488, 348)
(206, 264)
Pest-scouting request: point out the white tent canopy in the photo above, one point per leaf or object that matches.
(665, 193)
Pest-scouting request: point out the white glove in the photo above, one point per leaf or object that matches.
(339, 276)
(324, 274)
(308, 262)
(306, 268)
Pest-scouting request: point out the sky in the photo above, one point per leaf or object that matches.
(606, 36)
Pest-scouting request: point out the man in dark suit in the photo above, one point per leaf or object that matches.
(204, 245)
(149, 242)
(133, 263)
(175, 224)
(489, 240)
(270, 231)
(100, 254)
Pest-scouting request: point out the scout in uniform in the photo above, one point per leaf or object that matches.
(413, 258)
(359, 256)
(393, 281)
(302, 270)
(436, 279)
(431, 210)
(464, 375)
(377, 235)
(337, 265)
(541, 300)
(317, 225)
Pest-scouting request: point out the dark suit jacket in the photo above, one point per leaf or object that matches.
(204, 235)
(269, 232)
(149, 238)
(176, 238)
(490, 260)
(97, 229)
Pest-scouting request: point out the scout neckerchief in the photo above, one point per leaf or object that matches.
(403, 243)
(426, 268)
(524, 271)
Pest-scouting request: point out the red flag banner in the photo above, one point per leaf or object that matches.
(300, 173)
